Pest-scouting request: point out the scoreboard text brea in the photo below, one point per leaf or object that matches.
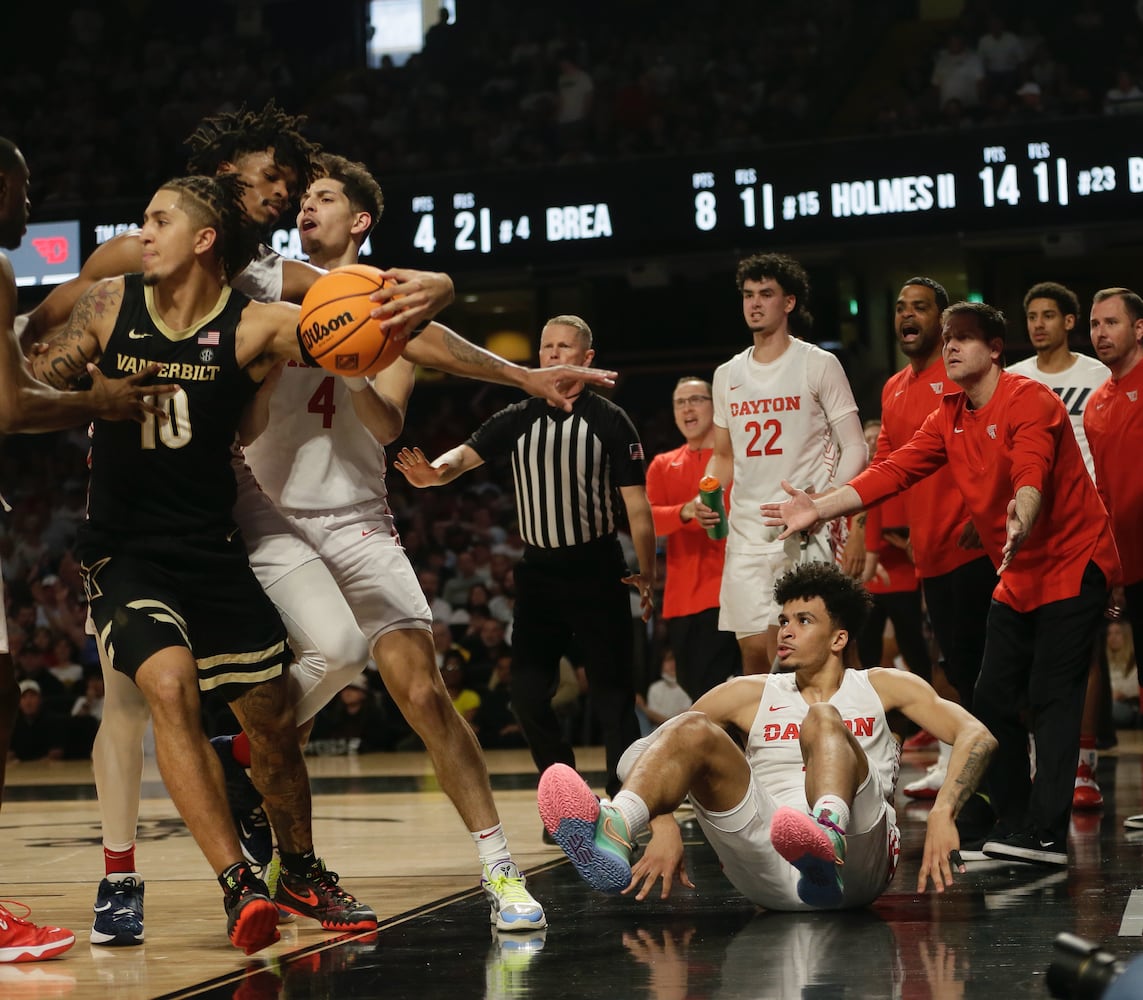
(1060, 174)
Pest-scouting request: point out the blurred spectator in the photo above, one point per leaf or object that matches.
(665, 698)
(1125, 97)
(352, 722)
(65, 665)
(38, 733)
(1001, 52)
(464, 699)
(465, 577)
(90, 703)
(488, 648)
(430, 582)
(1121, 665)
(958, 74)
(496, 723)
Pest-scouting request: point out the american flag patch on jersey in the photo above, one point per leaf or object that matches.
(210, 339)
(635, 450)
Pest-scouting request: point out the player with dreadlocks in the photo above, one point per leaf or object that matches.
(267, 150)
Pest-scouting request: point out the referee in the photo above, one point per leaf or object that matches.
(572, 581)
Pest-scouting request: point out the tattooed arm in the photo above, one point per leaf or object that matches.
(972, 748)
(44, 402)
(81, 340)
(447, 351)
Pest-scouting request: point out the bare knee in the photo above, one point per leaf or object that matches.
(821, 720)
(694, 730)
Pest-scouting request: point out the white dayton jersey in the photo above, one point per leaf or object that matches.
(1074, 387)
(780, 418)
(315, 453)
(773, 747)
(261, 279)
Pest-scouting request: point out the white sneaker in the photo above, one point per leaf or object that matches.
(512, 907)
(926, 787)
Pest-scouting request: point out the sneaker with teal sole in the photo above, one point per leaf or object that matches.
(592, 834)
(816, 850)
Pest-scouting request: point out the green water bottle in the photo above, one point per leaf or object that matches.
(710, 492)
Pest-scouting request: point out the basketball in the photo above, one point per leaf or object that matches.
(336, 327)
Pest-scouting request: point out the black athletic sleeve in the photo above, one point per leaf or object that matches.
(499, 432)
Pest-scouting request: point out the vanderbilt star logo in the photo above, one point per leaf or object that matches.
(91, 589)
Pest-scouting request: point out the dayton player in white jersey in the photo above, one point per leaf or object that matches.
(320, 457)
(1050, 310)
(802, 819)
(783, 410)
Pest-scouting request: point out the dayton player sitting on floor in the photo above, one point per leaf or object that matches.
(804, 818)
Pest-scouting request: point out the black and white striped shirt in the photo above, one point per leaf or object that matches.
(567, 467)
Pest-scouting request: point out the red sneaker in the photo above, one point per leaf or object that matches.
(23, 941)
(1087, 794)
(920, 740)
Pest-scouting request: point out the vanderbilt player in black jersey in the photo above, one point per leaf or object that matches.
(174, 601)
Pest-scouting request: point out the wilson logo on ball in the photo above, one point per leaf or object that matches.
(316, 332)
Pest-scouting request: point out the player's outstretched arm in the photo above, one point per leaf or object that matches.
(972, 748)
(416, 468)
(447, 351)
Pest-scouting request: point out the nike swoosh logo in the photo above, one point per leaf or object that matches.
(310, 896)
(778, 708)
(485, 836)
(137, 336)
(101, 909)
(958, 430)
(899, 392)
(366, 534)
(733, 387)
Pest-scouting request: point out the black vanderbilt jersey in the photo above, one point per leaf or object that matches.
(170, 476)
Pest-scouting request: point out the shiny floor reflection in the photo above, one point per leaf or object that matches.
(991, 935)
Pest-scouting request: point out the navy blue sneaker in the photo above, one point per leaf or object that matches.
(254, 833)
(119, 913)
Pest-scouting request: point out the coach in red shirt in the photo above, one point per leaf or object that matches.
(1009, 445)
(704, 656)
(1113, 421)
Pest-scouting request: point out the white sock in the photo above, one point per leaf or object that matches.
(491, 845)
(634, 812)
(838, 809)
(944, 756)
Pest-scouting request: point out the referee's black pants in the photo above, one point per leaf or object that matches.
(1038, 660)
(561, 595)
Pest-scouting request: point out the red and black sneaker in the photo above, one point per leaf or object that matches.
(317, 895)
(251, 916)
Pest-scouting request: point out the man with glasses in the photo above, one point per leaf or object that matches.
(705, 657)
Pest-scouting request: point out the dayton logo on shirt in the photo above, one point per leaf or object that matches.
(779, 404)
(1133, 394)
(774, 731)
(937, 387)
(991, 428)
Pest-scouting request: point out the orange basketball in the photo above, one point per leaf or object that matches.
(336, 327)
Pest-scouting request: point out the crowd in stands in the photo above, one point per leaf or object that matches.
(508, 85)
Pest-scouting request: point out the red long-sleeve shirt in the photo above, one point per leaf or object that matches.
(694, 561)
(1021, 437)
(1113, 421)
(894, 560)
(934, 511)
